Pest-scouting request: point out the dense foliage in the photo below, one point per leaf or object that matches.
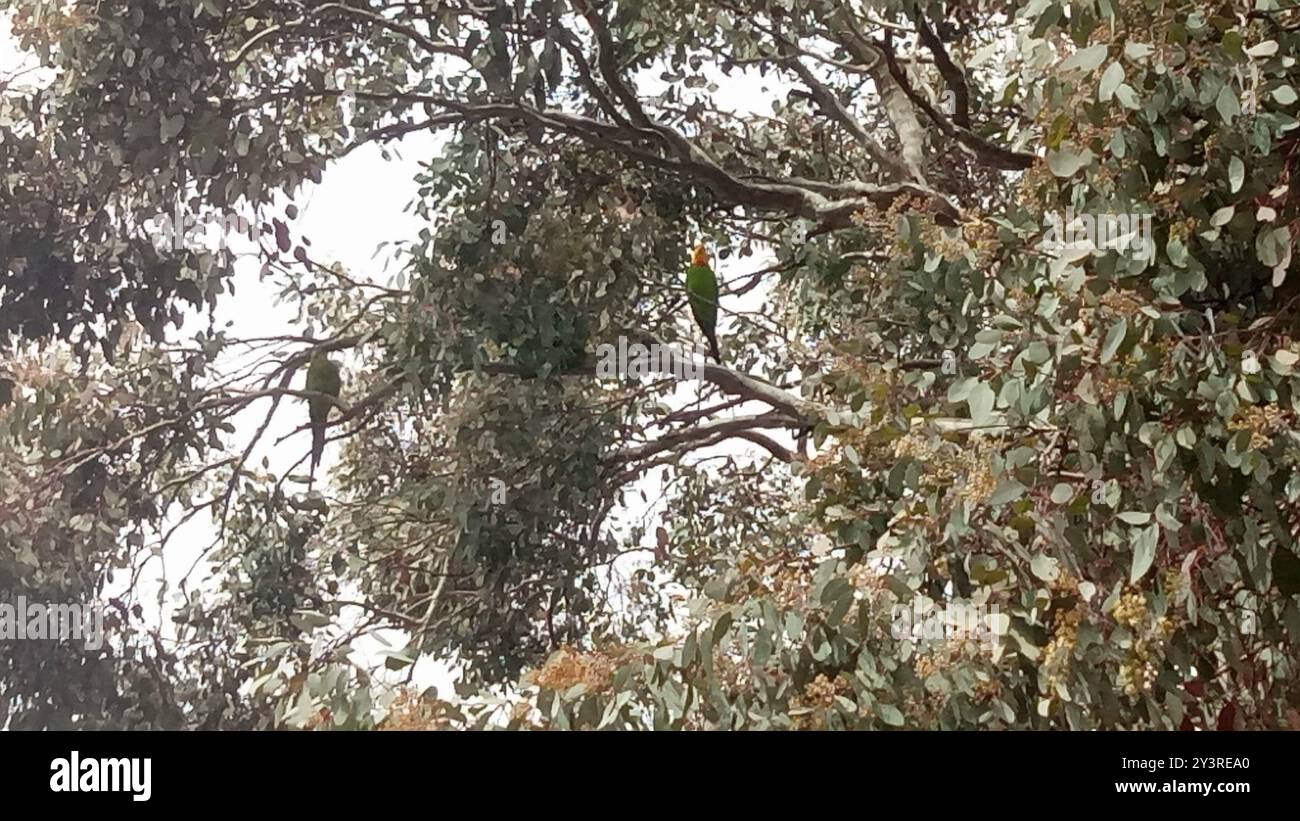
(933, 400)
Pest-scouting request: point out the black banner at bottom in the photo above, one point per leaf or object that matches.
(303, 770)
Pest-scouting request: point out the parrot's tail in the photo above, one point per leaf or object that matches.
(713, 347)
(317, 446)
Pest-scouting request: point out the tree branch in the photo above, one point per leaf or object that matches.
(988, 153)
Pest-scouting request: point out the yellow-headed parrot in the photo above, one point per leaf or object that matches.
(322, 377)
(702, 292)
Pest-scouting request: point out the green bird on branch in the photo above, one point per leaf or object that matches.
(322, 377)
(702, 292)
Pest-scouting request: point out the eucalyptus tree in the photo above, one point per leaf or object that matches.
(939, 399)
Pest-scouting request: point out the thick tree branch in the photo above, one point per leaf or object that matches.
(911, 135)
(952, 74)
(829, 205)
(988, 153)
(832, 105)
(703, 435)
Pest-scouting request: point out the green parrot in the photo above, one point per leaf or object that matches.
(322, 377)
(702, 292)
